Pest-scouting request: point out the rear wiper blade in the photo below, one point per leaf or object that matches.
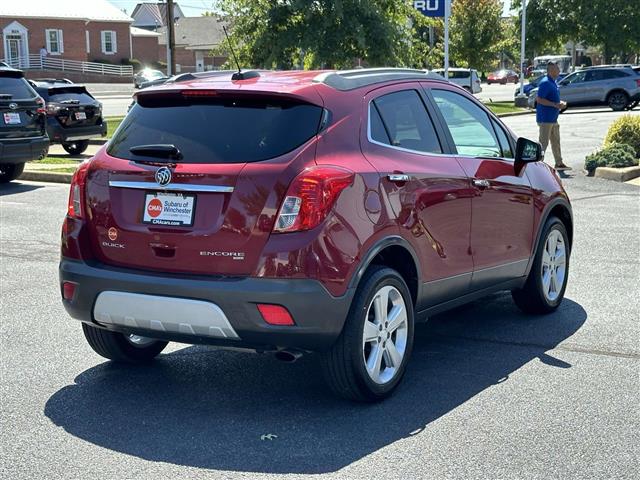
(160, 150)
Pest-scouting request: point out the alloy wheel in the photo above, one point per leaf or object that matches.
(554, 266)
(384, 339)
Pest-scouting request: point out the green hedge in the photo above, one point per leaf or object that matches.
(625, 129)
(614, 155)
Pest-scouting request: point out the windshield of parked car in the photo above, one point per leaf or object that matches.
(221, 130)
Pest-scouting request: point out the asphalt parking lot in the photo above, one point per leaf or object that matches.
(489, 393)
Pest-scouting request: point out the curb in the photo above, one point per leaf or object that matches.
(515, 114)
(618, 174)
(39, 176)
(98, 141)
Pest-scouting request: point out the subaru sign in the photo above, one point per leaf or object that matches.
(430, 8)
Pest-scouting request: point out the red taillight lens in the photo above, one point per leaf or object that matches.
(310, 198)
(275, 314)
(40, 103)
(638, 82)
(76, 192)
(68, 290)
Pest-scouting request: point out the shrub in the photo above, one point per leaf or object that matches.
(625, 129)
(614, 155)
(134, 62)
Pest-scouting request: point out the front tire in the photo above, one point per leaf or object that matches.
(120, 347)
(76, 148)
(10, 171)
(547, 281)
(369, 359)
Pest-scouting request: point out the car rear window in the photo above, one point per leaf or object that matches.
(224, 130)
(75, 94)
(18, 88)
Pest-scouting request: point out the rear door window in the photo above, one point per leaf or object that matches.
(405, 122)
(222, 130)
(468, 124)
(18, 88)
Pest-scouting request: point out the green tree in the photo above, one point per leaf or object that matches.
(324, 33)
(476, 32)
(548, 27)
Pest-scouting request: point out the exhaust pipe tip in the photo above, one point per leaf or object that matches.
(287, 356)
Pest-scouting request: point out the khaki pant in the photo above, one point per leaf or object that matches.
(551, 131)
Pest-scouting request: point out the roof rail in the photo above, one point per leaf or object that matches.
(351, 79)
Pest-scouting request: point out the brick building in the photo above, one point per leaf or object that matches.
(195, 38)
(144, 44)
(84, 30)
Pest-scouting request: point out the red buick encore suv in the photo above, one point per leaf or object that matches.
(296, 212)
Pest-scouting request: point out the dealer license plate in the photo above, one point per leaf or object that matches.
(81, 116)
(172, 209)
(11, 118)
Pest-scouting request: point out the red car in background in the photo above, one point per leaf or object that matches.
(503, 77)
(297, 212)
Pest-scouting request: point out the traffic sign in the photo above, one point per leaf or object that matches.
(430, 8)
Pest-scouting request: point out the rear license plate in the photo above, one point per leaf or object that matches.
(172, 209)
(11, 118)
(81, 116)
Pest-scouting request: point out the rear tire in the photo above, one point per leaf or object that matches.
(120, 347)
(76, 148)
(378, 331)
(547, 281)
(10, 171)
(618, 101)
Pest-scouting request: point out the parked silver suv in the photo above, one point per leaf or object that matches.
(616, 86)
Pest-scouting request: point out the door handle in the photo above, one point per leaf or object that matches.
(481, 183)
(398, 177)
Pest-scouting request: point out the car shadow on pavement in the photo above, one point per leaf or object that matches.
(17, 187)
(211, 409)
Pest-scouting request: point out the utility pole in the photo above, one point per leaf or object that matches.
(521, 98)
(171, 40)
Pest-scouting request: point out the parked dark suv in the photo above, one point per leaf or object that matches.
(73, 115)
(22, 124)
(296, 212)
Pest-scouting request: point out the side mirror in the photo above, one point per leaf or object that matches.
(528, 150)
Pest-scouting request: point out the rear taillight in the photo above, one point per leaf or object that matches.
(199, 93)
(41, 106)
(275, 314)
(53, 109)
(310, 198)
(638, 82)
(76, 193)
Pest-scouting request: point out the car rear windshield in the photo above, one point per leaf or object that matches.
(67, 94)
(227, 130)
(18, 88)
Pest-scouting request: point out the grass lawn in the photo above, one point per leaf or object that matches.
(61, 170)
(112, 124)
(504, 107)
(58, 160)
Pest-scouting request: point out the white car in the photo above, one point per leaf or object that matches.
(460, 76)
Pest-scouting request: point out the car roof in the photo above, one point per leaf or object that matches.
(291, 82)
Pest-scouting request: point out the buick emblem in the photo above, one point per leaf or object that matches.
(163, 176)
(13, 106)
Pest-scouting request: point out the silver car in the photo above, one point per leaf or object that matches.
(460, 76)
(617, 87)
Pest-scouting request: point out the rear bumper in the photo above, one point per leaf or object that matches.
(59, 134)
(23, 150)
(318, 315)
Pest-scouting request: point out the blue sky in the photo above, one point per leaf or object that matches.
(193, 8)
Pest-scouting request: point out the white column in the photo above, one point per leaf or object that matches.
(447, 14)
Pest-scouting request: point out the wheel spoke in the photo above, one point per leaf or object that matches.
(546, 258)
(374, 362)
(392, 356)
(397, 318)
(553, 240)
(553, 287)
(380, 307)
(560, 257)
(370, 332)
(546, 280)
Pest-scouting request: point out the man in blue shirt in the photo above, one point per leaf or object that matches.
(548, 107)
